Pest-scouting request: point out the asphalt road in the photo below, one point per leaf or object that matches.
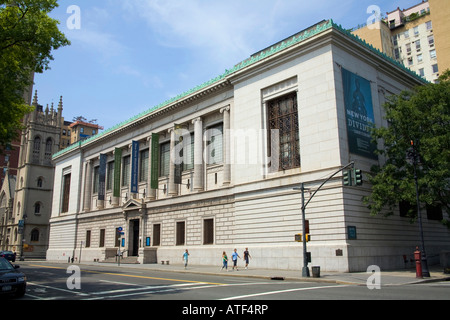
(64, 282)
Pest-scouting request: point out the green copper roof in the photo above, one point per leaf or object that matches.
(263, 54)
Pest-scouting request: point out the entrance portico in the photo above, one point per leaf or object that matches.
(134, 215)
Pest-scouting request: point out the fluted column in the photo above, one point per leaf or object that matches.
(88, 187)
(226, 144)
(173, 188)
(198, 154)
(151, 193)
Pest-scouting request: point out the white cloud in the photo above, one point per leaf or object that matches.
(226, 32)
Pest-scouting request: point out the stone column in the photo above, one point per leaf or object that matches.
(226, 145)
(173, 188)
(100, 203)
(151, 193)
(115, 200)
(88, 187)
(198, 154)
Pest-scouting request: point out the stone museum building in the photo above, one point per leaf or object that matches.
(215, 168)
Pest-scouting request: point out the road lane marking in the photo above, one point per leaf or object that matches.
(58, 289)
(150, 290)
(281, 291)
(145, 288)
(132, 276)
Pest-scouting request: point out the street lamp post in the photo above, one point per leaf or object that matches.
(414, 155)
(305, 269)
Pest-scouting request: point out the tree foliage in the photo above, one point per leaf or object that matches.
(421, 116)
(27, 37)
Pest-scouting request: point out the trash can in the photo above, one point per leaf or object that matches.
(316, 272)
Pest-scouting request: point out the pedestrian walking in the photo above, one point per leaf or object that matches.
(225, 261)
(247, 256)
(186, 258)
(234, 257)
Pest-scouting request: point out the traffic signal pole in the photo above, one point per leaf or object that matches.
(305, 269)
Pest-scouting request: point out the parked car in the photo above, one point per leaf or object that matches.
(8, 255)
(12, 281)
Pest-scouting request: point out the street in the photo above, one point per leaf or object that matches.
(48, 281)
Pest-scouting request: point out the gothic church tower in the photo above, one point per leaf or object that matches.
(34, 186)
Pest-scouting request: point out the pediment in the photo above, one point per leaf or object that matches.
(132, 204)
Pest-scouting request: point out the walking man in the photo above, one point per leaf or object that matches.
(185, 258)
(246, 257)
(234, 257)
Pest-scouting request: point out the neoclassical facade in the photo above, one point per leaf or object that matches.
(215, 168)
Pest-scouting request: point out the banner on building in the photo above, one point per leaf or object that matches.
(102, 177)
(359, 114)
(154, 174)
(117, 170)
(134, 167)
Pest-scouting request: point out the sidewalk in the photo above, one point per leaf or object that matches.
(397, 277)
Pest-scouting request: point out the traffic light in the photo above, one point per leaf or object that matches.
(357, 174)
(347, 177)
(299, 237)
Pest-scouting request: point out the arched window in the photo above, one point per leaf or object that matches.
(36, 148)
(35, 235)
(48, 149)
(40, 182)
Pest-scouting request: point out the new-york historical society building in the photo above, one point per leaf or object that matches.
(214, 168)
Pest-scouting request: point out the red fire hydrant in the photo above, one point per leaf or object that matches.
(418, 258)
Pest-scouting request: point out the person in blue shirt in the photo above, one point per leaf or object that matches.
(234, 257)
(185, 258)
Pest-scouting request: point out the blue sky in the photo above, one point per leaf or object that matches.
(130, 55)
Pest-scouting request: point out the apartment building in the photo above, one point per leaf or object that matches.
(416, 37)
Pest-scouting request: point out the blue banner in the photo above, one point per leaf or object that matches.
(135, 167)
(359, 114)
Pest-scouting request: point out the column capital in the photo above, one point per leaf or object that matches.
(227, 108)
(198, 119)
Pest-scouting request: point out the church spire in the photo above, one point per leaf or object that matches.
(60, 109)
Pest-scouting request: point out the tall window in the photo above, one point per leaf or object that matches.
(110, 176)
(180, 233)
(48, 150)
(35, 235)
(208, 231)
(88, 238)
(37, 208)
(164, 159)
(66, 193)
(214, 144)
(143, 165)
(156, 235)
(36, 149)
(188, 155)
(283, 116)
(96, 179)
(126, 171)
(102, 238)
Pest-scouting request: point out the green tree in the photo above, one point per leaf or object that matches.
(27, 37)
(421, 116)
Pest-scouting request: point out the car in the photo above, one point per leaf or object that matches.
(9, 255)
(12, 281)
